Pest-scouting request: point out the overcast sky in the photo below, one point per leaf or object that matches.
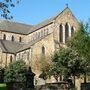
(35, 11)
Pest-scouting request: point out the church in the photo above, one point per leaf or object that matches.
(31, 42)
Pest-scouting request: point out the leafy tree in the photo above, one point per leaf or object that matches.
(81, 43)
(45, 64)
(15, 72)
(59, 64)
(5, 7)
(74, 59)
(66, 62)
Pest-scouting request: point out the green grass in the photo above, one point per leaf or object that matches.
(2, 86)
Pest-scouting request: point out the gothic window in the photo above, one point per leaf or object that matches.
(41, 33)
(33, 36)
(28, 56)
(10, 59)
(61, 33)
(66, 32)
(38, 35)
(47, 31)
(4, 37)
(19, 55)
(44, 32)
(20, 39)
(43, 50)
(12, 38)
(72, 31)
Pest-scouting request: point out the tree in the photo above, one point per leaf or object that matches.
(5, 7)
(66, 62)
(45, 64)
(59, 64)
(81, 43)
(73, 60)
(15, 72)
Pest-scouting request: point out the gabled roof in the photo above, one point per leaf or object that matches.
(27, 46)
(14, 27)
(14, 47)
(9, 46)
(26, 29)
(66, 9)
(40, 25)
(49, 21)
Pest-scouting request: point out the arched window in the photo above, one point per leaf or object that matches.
(43, 50)
(20, 39)
(66, 32)
(61, 33)
(72, 31)
(38, 35)
(4, 37)
(47, 31)
(10, 59)
(42, 33)
(12, 38)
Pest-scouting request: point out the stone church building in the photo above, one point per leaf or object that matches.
(31, 42)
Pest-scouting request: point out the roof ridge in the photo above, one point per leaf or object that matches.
(15, 22)
(61, 12)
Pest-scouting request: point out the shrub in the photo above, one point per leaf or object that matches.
(15, 72)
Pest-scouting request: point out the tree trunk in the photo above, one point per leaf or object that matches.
(74, 80)
(60, 77)
(84, 77)
(56, 78)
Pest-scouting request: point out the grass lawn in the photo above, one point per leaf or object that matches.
(2, 86)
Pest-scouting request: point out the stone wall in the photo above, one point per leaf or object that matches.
(63, 18)
(37, 52)
(16, 36)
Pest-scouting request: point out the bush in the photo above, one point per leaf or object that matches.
(15, 72)
(2, 86)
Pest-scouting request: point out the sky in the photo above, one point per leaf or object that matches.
(35, 11)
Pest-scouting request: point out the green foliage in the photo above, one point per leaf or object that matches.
(81, 42)
(15, 72)
(67, 59)
(67, 62)
(59, 63)
(75, 58)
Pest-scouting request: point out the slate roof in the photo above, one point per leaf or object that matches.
(48, 21)
(10, 46)
(27, 46)
(14, 47)
(20, 28)
(8, 26)
(40, 25)
(14, 27)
